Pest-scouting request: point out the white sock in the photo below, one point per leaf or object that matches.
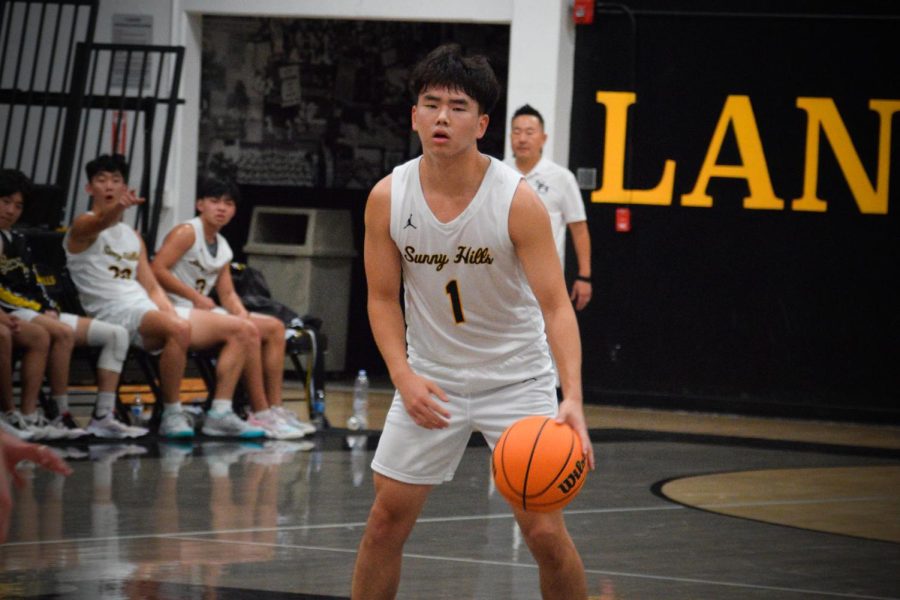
(174, 407)
(106, 403)
(62, 403)
(262, 414)
(221, 406)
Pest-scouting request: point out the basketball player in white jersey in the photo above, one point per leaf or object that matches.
(108, 264)
(472, 246)
(193, 260)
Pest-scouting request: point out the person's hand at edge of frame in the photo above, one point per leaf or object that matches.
(12, 452)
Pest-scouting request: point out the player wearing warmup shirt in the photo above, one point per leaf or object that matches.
(193, 260)
(24, 296)
(472, 246)
(108, 264)
(558, 189)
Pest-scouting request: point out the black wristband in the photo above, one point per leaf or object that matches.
(583, 278)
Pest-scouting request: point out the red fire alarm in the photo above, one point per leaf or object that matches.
(623, 219)
(583, 12)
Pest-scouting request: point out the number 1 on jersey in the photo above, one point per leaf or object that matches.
(452, 290)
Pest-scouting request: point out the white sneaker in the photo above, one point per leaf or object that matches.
(274, 427)
(13, 424)
(109, 427)
(228, 424)
(293, 420)
(175, 425)
(42, 429)
(67, 424)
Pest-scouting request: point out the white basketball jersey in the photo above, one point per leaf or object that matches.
(197, 267)
(467, 299)
(107, 270)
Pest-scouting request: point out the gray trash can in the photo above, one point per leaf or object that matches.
(306, 255)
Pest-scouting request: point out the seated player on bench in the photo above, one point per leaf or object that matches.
(24, 297)
(193, 260)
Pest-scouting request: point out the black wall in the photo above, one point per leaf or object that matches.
(727, 307)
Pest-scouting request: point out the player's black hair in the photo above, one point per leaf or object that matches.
(445, 66)
(107, 163)
(12, 181)
(528, 111)
(208, 187)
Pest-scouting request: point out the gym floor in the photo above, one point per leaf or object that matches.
(681, 506)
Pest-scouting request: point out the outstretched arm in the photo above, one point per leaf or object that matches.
(382, 260)
(87, 227)
(529, 228)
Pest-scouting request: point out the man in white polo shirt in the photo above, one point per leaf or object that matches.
(557, 188)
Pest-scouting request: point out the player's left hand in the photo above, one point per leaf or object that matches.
(572, 414)
(581, 294)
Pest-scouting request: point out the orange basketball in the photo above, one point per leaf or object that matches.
(538, 464)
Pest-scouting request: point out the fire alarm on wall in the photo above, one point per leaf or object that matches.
(583, 12)
(623, 219)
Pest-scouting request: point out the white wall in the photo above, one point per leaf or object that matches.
(542, 47)
(541, 58)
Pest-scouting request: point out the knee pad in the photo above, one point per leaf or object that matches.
(113, 339)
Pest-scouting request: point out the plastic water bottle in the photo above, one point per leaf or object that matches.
(360, 418)
(137, 411)
(318, 416)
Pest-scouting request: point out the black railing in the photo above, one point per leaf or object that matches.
(65, 99)
(133, 120)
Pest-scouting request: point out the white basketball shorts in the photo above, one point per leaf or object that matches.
(487, 398)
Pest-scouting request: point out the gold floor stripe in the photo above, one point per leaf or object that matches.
(858, 501)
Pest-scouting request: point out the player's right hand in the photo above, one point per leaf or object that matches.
(130, 198)
(418, 395)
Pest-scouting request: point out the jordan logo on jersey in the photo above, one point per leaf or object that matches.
(409, 223)
(541, 187)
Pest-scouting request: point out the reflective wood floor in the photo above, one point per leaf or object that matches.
(682, 506)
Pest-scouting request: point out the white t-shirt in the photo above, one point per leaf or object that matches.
(467, 299)
(106, 272)
(197, 267)
(558, 189)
